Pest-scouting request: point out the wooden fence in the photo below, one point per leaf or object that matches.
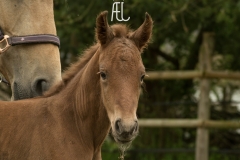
(202, 123)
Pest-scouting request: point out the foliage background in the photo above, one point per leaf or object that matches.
(177, 36)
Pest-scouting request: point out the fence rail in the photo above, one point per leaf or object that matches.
(189, 123)
(156, 75)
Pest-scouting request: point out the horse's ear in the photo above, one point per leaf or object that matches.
(103, 31)
(143, 34)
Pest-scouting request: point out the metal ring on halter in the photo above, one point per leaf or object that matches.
(6, 46)
(1, 79)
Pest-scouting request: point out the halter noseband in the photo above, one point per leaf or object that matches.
(30, 39)
(8, 41)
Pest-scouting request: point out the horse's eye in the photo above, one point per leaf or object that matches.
(103, 75)
(142, 77)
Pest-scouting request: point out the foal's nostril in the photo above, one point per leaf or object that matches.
(118, 126)
(135, 128)
(40, 86)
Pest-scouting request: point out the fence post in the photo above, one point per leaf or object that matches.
(202, 139)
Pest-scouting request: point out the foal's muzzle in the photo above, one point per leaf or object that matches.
(125, 133)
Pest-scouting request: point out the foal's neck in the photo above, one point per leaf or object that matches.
(84, 96)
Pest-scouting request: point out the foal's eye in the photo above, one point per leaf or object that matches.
(103, 75)
(142, 77)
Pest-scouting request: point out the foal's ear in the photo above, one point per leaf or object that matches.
(103, 31)
(143, 34)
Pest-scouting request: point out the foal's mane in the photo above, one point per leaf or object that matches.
(119, 30)
(73, 70)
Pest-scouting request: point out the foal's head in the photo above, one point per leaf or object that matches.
(121, 73)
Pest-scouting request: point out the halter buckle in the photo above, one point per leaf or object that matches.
(5, 44)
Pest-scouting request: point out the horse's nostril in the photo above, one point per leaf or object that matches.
(135, 127)
(118, 126)
(40, 86)
(19, 92)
